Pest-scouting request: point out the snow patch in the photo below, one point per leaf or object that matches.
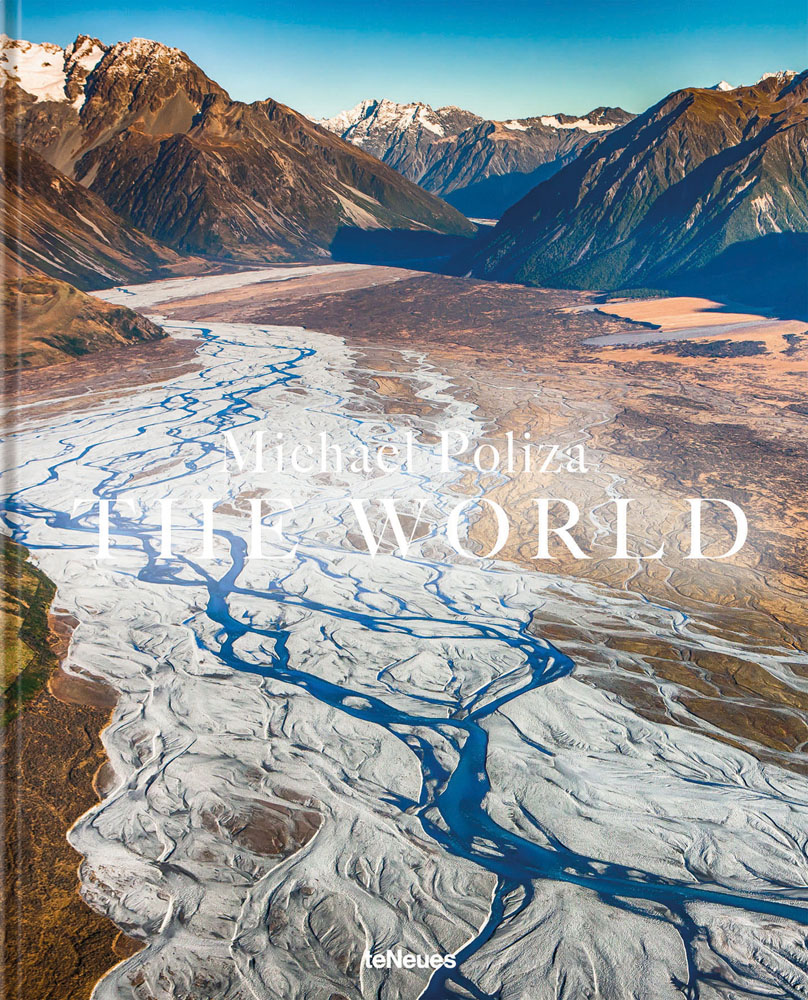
(426, 122)
(38, 69)
(81, 58)
(43, 70)
(780, 74)
(91, 224)
(372, 116)
(765, 214)
(551, 121)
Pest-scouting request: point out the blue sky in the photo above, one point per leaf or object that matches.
(499, 59)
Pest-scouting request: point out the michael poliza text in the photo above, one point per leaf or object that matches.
(274, 453)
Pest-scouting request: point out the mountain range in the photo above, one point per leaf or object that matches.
(479, 166)
(706, 191)
(143, 128)
(126, 161)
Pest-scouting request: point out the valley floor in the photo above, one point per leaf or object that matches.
(668, 763)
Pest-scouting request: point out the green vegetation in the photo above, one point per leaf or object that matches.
(28, 659)
(704, 194)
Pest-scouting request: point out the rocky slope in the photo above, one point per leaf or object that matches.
(56, 235)
(165, 147)
(51, 224)
(46, 321)
(481, 167)
(706, 191)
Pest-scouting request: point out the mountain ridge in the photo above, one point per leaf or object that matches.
(52, 225)
(49, 321)
(659, 203)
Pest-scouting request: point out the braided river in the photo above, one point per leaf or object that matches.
(322, 755)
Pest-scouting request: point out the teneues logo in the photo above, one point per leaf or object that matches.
(399, 959)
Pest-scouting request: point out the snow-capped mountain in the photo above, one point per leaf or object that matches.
(389, 130)
(164, 146)
(782, 75)
(371, 118)
(480, 166)
(779, 75)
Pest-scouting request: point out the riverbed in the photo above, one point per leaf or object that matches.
(414, 766)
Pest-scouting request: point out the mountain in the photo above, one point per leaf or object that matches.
(481, 167)
(403, 135)
(708, 190)
(164, 146)
(47, 321)
(50, 224)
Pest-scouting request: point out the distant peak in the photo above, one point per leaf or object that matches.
(779, 76)
(373, 115)
(84, 42)
(146, 43)
(783, 75)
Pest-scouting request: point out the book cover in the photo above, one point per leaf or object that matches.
(404, 477)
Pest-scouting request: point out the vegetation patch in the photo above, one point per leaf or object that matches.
(712, 348)
(28, 658)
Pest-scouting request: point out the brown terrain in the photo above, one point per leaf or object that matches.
(168, 151)
(46, 321)
(50, 223)
(81, 382)
(52, 762)
(54, 769)
(54, 946)
(670, 398)
(665, 420)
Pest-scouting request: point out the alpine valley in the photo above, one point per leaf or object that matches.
(126, 161)
(142, 127)
(272, 731)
